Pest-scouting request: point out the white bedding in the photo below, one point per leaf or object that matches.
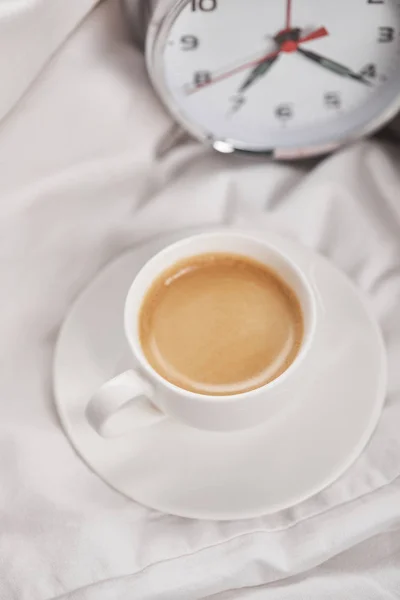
(79, 184)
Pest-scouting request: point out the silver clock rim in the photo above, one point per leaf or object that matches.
(164, 15)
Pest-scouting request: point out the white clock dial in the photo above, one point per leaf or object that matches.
(263, 74)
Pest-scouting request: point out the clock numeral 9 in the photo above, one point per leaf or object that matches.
(202, 78)
(386, 34)
(189, 42)
(332, 100)
(284, 112)
(204, 5)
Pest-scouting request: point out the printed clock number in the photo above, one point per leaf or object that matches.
(386, 34)
(237, 102)
(284, 112)
(227, 74)
(369, 70)
(189, 42)
(204, 5)
(202, 78)
(332, 100)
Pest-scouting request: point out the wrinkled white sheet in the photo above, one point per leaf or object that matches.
(78, 185)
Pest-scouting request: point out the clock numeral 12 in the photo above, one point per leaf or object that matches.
(204, 5)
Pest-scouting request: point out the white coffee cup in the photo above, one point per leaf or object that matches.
(141, 397)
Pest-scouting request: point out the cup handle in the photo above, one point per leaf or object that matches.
(122, 405)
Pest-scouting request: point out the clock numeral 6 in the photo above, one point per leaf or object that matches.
(189, 42)
(202, 78)
(284, 112)
(204, 5)
(386, 34)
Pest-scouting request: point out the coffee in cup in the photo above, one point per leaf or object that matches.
(220, 324)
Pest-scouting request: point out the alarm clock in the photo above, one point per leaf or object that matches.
(286, 78)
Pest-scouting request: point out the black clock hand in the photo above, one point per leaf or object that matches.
(333, 66)
(222, 75)
(260, 70)
(290, 35)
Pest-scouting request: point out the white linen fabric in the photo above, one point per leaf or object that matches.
(78, 185)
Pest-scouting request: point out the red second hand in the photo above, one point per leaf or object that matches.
(318, 33)
(289, 15)
(314, 35)
(223, 76)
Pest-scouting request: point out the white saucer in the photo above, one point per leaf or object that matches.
(190, 473)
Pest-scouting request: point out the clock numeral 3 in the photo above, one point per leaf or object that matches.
(189, 42)
(204, 5)
(202, 78)
(386, 34)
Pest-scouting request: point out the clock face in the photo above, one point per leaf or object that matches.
(262, 74)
